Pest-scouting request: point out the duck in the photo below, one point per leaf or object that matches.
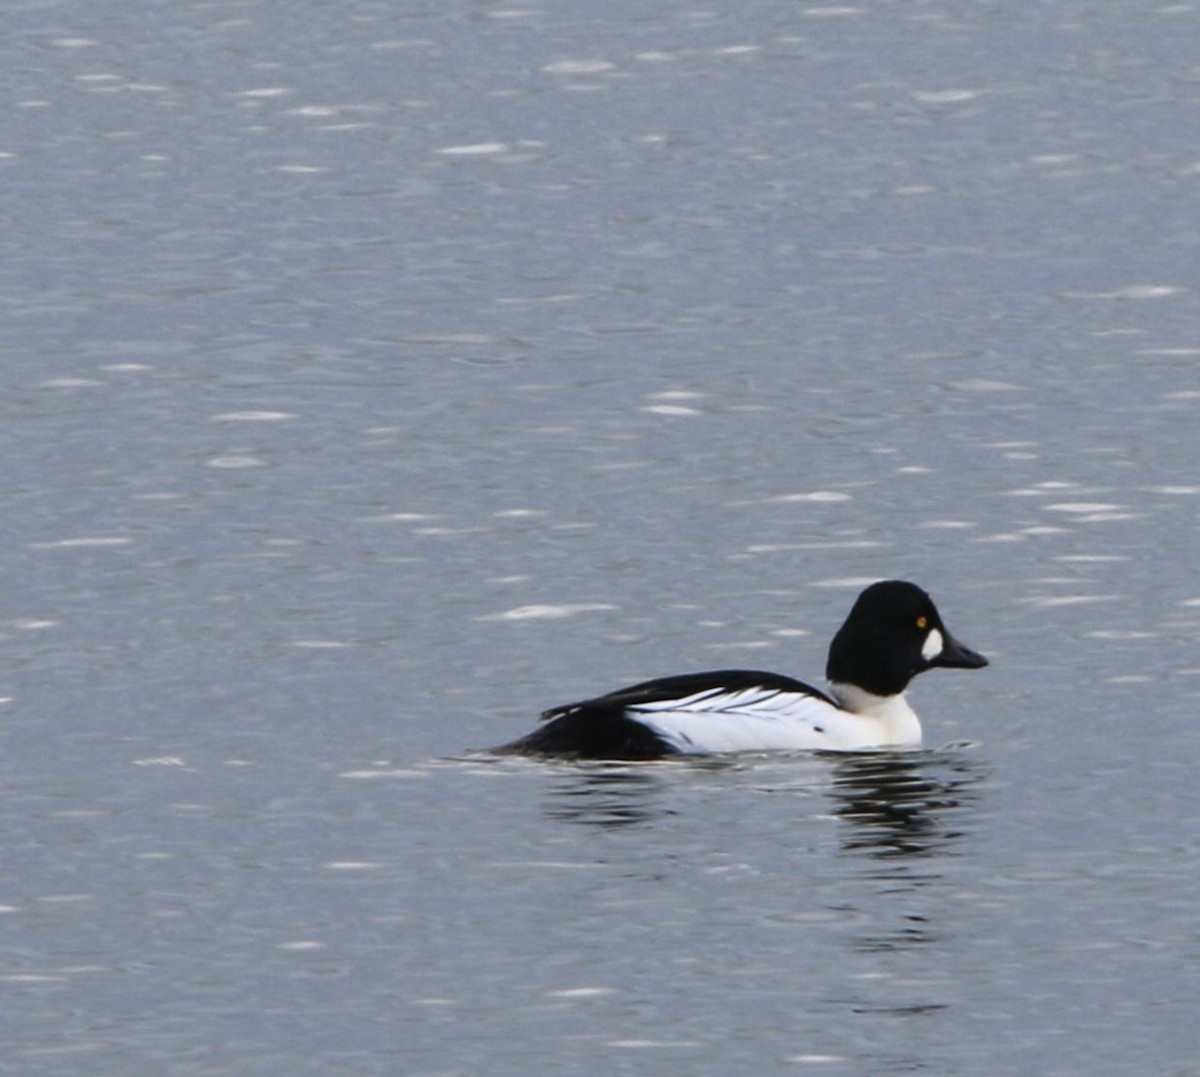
(892, 633)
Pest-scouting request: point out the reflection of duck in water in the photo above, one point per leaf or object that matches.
(612, 798)
(898, 805)
(895, 805)
(893, 633)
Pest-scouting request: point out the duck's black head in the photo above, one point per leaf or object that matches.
(893, 633)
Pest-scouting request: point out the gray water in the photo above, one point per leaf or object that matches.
(378, 374)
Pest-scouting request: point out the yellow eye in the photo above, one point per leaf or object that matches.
(922, 622)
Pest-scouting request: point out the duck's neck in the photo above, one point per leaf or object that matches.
(898, 724)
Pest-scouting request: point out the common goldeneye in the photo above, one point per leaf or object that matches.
(893, 633)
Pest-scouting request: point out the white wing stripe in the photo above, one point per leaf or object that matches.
(759, 702)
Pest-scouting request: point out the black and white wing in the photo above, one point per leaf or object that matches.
(721, 711)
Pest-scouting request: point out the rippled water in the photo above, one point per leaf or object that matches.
(377, 375)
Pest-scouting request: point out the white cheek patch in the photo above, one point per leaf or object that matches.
(932, 646)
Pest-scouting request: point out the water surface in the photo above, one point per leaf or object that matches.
(375, 376)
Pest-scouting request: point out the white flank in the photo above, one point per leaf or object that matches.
(768, 719)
